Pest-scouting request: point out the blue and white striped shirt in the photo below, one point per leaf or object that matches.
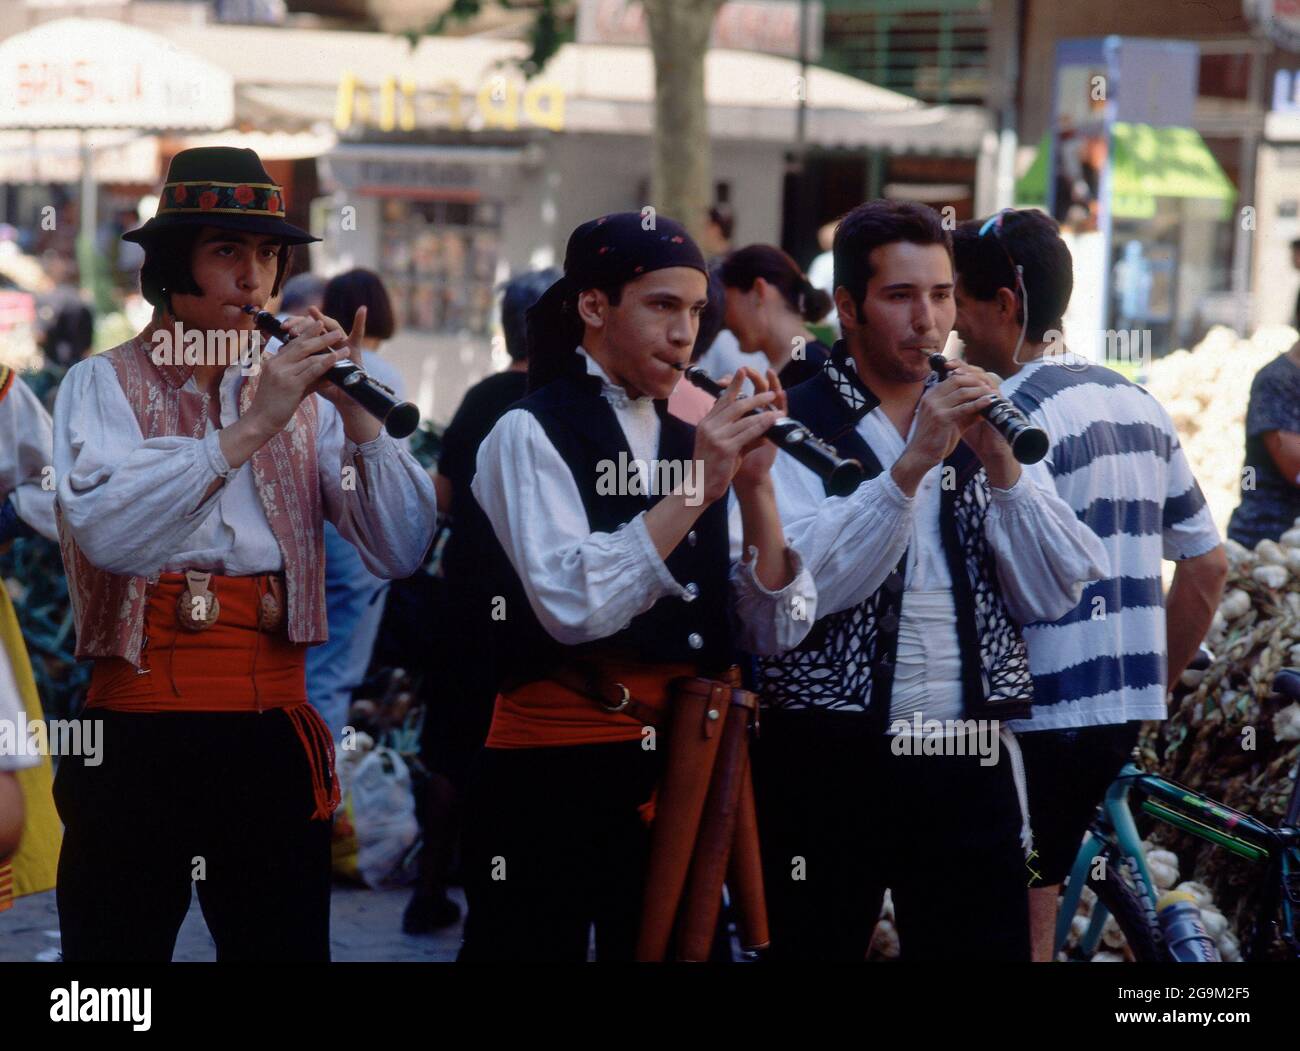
(1116, 460)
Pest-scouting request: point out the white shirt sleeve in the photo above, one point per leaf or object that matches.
(771, 622)
(26, 450)
(849, 544)
(128, 502)
(1045, 555)
(581, 585)
(377, 495)
(17, 750)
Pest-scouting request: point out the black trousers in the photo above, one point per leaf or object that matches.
(842, 818)
(554, 845)
(220, 800)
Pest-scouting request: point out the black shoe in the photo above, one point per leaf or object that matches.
(425, 914)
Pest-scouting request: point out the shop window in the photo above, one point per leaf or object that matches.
(439, 259)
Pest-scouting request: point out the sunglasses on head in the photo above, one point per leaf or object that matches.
(994, 224)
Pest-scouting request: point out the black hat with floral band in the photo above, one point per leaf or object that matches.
(224, 187)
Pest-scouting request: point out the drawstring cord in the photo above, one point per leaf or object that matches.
(1022, 794)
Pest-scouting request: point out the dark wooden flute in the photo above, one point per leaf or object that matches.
(399, 418)
(840, 476)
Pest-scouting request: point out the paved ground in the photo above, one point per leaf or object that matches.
(365, 925)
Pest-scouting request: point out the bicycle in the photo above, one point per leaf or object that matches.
(1122, 881)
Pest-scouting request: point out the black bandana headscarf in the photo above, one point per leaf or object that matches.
(603, 253)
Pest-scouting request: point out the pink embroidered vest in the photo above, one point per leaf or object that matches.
(109, 608)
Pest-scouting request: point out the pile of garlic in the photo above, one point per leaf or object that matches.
(1164, 869)
(1206, 391)
(1228, 735)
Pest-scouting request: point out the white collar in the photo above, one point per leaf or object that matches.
(613, 393)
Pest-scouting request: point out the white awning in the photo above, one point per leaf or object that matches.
(607, 89)
(95, 73)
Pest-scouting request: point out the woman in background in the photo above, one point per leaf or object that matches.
(770, 303)
(354, 596)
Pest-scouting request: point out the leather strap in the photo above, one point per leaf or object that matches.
(600, 684)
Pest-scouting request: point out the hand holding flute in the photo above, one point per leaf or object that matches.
(1028, 443)
(729, 441)
(344, 381)
(841, 476)
(950, 412)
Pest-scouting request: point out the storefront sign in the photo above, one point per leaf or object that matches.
(742, 25)
(90, 73)
(396, 105)
(1286, 91)
(1278, 19)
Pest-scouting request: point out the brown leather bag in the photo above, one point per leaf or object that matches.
(705, 830)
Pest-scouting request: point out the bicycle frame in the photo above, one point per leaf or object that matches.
(1201, 816)
(1113, 824)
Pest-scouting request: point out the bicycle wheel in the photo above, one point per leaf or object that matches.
(1120, 891)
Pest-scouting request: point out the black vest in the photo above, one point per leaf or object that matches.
(847, 660)
(582, 427)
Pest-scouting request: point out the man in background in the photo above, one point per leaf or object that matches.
(1105, 666)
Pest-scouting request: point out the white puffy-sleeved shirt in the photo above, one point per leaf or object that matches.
(17, 748)
(585, 585)
(1045, 556)
(26, 451)
(136, 507)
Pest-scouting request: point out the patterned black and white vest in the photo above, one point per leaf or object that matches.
(846, 663)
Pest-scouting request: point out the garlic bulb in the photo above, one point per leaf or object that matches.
(1286, 723)
(1215, 922)
(1237, 553)
(1164, 876)
(1271, 553)
(1111, 935)
(1236, 603)
(1271, 576)
(1199, 891)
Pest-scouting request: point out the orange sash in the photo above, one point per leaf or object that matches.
(545, 714)
(232, 666)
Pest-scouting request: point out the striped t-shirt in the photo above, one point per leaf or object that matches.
(1116, 460)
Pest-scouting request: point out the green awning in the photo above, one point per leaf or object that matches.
(1031, 188)
(1146, 163)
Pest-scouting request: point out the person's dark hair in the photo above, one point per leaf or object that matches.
(302, 291)
(167, 266)
(876, 223)
(1295, 245)
(347, 292)
(711, 317)
(517, 295)
(1033, 240)
(544, 367)
(743, 267)
(724, 219)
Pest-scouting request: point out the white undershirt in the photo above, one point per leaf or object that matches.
(1044, 555)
